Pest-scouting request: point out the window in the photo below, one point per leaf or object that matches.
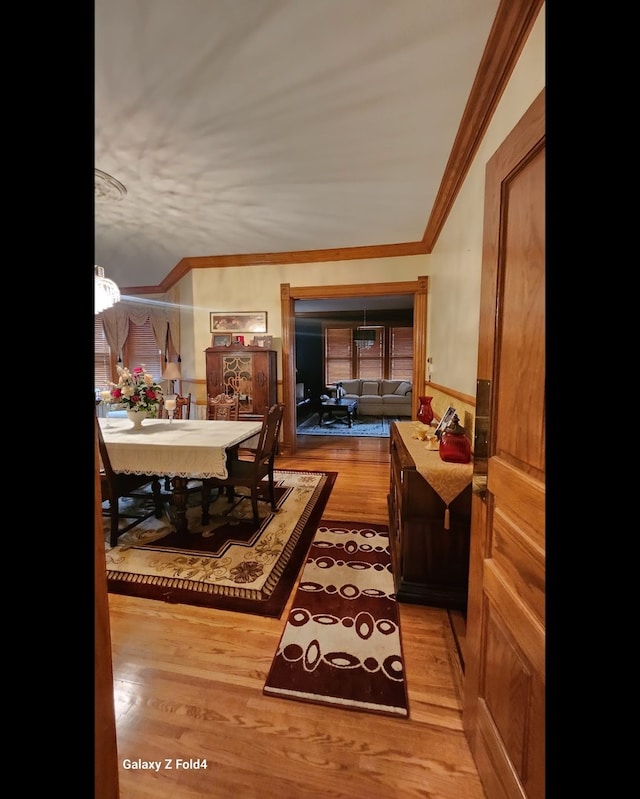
(391, 355)
(142, 348)
(139, 348)
(103, 374)
(370, 361)
(338, 354)
(401, 353)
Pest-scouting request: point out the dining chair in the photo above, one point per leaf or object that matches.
(115, 487)
(225, 407)
(250, 471)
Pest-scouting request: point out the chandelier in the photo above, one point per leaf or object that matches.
(106, 292)
(364, 339)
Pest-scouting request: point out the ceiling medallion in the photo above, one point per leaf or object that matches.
(107, 187)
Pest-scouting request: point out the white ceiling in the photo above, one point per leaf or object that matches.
(266, 126)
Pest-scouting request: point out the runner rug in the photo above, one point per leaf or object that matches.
(231, 563)
(341, 643)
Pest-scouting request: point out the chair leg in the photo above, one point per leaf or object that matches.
(206, 501)
(272, 493)
(254, 503)
(157, 497)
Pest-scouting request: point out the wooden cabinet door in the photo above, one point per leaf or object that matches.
(249, 372)
(504, 702)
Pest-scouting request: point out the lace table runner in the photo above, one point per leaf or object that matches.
(447, 479)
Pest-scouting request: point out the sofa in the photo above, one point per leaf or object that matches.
(380, 397)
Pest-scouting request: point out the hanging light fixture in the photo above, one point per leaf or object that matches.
(106, 189)
(106, 293)
(364, 339)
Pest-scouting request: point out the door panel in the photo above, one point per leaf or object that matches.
(504, 703)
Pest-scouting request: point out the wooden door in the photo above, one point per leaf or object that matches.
(504, 702)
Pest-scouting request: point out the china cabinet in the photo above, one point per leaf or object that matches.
(247, 371)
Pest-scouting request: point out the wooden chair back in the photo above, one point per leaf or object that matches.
(183, 407)
(250, 472)
(223, 407)
(267, 446)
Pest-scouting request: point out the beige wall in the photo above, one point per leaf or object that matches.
(454, 267)
(248, 288)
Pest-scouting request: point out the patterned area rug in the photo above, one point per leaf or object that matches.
(231, 563)
(362, 426)
(341, 644)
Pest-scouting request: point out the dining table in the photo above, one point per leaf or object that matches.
(181, 449)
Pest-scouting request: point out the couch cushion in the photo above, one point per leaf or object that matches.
(371, 387)
(351, 386)
(389, 386)
(403, 388)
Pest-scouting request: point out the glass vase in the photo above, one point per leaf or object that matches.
(425, 411)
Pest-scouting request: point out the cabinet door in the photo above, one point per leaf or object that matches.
(249, 374)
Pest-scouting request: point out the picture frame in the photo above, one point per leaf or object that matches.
(238, 321)
(220, 340)
(447, 416)
(263, 341)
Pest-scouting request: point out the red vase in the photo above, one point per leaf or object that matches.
(455, 447)
(425, 411)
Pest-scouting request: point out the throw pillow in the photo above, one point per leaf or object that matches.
(351, 386)
(403, 388)
(370, 387)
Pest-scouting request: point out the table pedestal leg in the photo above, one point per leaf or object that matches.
(179, 500)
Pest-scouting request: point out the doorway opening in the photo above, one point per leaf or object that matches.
(360, 295)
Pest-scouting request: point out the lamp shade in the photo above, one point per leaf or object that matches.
(171, 371)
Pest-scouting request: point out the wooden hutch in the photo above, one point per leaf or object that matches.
(248, 371)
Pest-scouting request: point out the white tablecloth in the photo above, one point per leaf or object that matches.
(183, 448)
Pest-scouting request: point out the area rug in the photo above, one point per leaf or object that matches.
(362, 426)
(341, 643)
(231, 563)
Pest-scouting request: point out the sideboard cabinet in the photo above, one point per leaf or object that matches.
(249, 372)
(430, 556)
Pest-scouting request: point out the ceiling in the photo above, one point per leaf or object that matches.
(272, 126)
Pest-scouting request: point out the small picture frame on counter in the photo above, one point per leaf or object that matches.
(220, 339)
(447, 416)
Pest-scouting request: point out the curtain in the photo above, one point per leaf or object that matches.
(115, 321)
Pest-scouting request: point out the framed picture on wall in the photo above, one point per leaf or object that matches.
(220, 339)
(238, 321)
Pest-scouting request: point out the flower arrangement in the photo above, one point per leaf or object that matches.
(136, 391)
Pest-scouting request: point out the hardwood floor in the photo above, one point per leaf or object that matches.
(188, 685)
